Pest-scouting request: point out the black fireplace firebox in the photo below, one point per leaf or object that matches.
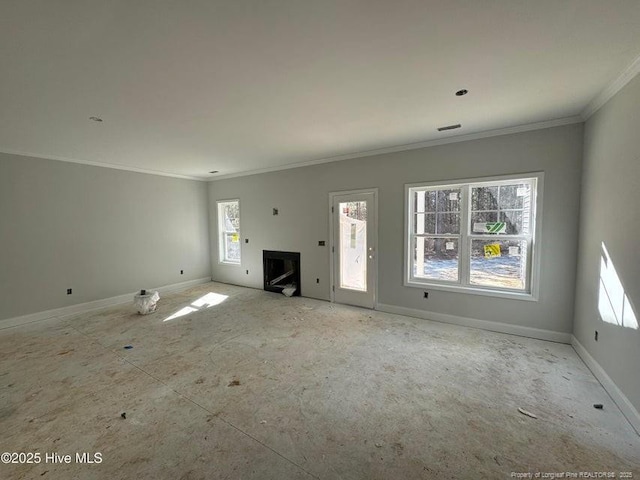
(281, 272)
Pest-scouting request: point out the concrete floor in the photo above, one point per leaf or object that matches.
(268, 387)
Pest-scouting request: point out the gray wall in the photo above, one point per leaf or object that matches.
(301, 195)
(611, 215)
(100, 231)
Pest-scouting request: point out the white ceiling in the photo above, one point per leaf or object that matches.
(185, 87)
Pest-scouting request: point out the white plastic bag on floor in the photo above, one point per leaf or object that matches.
(146, 303)
(289, 290)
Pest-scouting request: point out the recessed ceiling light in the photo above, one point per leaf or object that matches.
(213, 171)
(462, 92)
(95, 119)
(449, 127)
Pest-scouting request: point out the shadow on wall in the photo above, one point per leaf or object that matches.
(613, 303)
(206, 301)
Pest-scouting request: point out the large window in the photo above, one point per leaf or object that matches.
(476, 236)
(229, 231)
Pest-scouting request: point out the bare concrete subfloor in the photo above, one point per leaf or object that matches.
(262, 386)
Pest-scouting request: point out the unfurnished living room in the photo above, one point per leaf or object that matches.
(337, 239)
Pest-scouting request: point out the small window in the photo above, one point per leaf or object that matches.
(229, 231)
(477, 236)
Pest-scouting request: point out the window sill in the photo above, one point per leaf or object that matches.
(525, 296)
(231, 264)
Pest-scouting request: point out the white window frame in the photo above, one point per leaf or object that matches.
(463, 284)
(222, 233)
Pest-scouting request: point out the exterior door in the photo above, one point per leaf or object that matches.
(354, 219)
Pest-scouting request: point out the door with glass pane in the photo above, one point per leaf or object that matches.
(354, 248)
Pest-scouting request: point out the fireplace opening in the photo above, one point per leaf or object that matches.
(281, 272)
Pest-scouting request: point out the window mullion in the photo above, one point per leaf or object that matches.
(464, 249)
(529, 277)
(436, 235)
(499, 237)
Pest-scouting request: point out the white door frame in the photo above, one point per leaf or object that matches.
(332, 273)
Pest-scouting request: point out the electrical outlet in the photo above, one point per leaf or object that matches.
(181, 272)
(69, 291)
(275, 211)
(317, 280)
(321, 243)
(247, 272)
(246, 240)
(426, 294)
(596, 335)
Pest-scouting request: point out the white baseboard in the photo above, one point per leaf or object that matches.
(177, 287)
(94, 305)
(620, 399)
(530, 332)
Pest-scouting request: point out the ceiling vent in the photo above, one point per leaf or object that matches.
(449, 127)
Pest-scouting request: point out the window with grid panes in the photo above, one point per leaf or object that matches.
(229, 231)
(477, 235)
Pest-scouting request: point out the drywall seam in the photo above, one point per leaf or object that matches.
(411, 146)
(499, 327)
(619, 398)
(610, 90)
(94, 305)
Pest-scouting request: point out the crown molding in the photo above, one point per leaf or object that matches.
(114, 166)
(610, 90)
(366, 153)
(411, 146)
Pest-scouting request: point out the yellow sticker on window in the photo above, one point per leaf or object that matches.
(492, 250)
(235, 238)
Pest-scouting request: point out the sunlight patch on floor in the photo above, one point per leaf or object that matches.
(209, 300)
